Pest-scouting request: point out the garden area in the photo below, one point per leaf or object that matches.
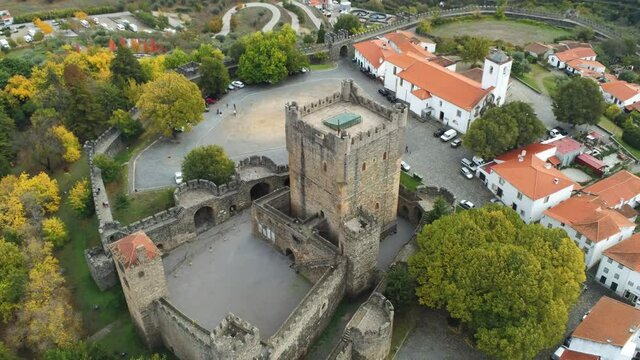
(249, 20)
(542, 80)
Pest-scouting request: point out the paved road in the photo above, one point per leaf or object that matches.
(275, 17)
(540, 103)
(314, 19)
(295, 22)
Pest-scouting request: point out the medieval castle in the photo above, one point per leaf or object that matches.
(328, 211)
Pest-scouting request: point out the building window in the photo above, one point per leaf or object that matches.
(395, 69)
(490, 69)
(504, 71)
(324, 166)
(519, 196)
(579, 236)
(377, 206)
(384, 156)
(501, 181)
(401, 81)
(616, 276)
(605, 270)
(609, 260)
(630, 283)
(638, 287)
(620, 266)
(546, 200)
(589, 243)
(562, 224)
(459, 113)
(549, 226)
(364, 166)
(521, 212)
(440, 103)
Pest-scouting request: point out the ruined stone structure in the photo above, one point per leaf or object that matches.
(329, 223)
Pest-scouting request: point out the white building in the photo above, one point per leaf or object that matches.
(589, 223)
(525, 181)
(560, 59)
(452, 98)
(586, 68)
(5, 18)
(620, 93)
(610, 331)
(619, 191)
(619, 269)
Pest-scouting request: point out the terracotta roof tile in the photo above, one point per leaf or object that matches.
(125, 249)
(421, 94)
(575, 355)
(635, 106)
(626, 252)
(576, 53)
(566, 145)
(621, 90)
(537, 48)
(402, 61)
(406, 45)
(588, 216)
(474, 74)
(374, 51)
(627, 211)
(622, 185)
(609, 322)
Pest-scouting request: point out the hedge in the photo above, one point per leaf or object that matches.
(631, 136)
(66, 13)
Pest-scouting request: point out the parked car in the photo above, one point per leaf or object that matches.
(496, 201)
(304, 70)
(120, 27)
(557, 131)
(392, 98)
(384, 92)
(448, 135)
(477, 160)
(231, 87)
(439, 132)
(404, 166)
(95, 20)
(469, 164)
(466, 204)
(28, 38)
(466, 173)
(210, 100)
(84, 23)
(456, 142)
(178, 177)
(239, 84)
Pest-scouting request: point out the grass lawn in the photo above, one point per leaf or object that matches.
(629, 148)
(403, 322)
(529, 80)
(251, 19)
(541, 79)
(515, 32)
(28, 6)
(409, 181)
(610, 126)
(320, 67)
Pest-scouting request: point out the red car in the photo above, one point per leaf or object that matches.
(210, 100)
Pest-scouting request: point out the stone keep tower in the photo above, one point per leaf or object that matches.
(496, 72)
(344, 156)
(141, 274)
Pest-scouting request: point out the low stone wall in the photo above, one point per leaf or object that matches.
(371, 335)
(312, 315)
(101, 267)
(182, 335)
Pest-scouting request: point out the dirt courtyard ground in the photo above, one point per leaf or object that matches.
(515, 32)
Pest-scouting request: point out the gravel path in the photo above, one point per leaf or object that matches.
(275, 17)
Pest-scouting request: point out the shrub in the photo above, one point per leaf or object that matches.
(122, 201)
(631, 136)
(80, 197)
(54, 231)
(612, 112)
(400, 288)
(109, 167)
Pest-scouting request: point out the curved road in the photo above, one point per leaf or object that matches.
(275, 18)
(295, 22)
(314, 19)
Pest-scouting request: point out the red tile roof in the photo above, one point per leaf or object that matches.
(622, 185)
(588, 216)
(626, 252)
(421, 94)
(576, 53)
(581, 63)
(406, 45)
(609, 322)
(125, 249)
(575, 355)
(445, 84)
(530, 174)
(621, 90)
(591, 161)
(374, 51)
(537, 48)
(566, 145)
(402, 61)
(554, 161)
(635, 106)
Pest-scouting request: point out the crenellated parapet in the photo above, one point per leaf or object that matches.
(235, 338)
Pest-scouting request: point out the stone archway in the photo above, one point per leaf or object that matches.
(289, 254)
(259, 190)
(404, 212)
(344, 51)
(417, 214)
(203, 218)
(287, 182)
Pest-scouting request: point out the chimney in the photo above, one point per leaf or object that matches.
(556, 181)
(547, 165)
(141, 253)
(523, 153)
(520, 158)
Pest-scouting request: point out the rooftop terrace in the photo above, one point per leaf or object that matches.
(344, 110)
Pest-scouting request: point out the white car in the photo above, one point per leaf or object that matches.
(477, 160)
(231, 87)
(466, 173)
(28, 38)
(239, 84)
(95, 20)
(178, 177)
(84, 23)
(120, 27)
(404, 166)
(466, 204)
(448, 135)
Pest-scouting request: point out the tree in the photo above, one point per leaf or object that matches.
(400, 288)
(628, 76)
(321, 33)
(612, 112)
(109, 168)
(80, 197)
(20, 87)
(80, 15)
(584, 34)
(631, 136)
(502, 129)
(348, 22)
(214, 76)
(123, 121)
(440, 209)
(7, 134)
(153, 67)
(520, 64)
(208, 163)
(215, 24)
(578, 101)
(54, 231)
(475, 49)
(478, 264)
(69, 143)
(170, 102)
(46, 28)
(79, 351)
(424, 27)
(124, 67)
(13, 277)
(176, 58)
(205, 51)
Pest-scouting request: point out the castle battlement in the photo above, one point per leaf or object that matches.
(189, 325)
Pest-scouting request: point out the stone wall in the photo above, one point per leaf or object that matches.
(101, 267)
(371, 334)
(182, 335)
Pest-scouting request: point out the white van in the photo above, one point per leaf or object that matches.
(133, 27)
(4, 44)
(28, 38)
(448, 135)
(84, 23)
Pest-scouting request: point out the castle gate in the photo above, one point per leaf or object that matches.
(203, 218)
(259, 190)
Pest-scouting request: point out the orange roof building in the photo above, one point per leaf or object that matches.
(537, 49)
(619, 268)
(617, 190)
(609, 326)
(621, 93)
(562, 58)
(134, 249)
(626, 253)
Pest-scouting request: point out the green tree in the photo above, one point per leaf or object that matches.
(79, 351)
(520, 64)
(440, 208)
(80, 197)
(424, 27)
(170, 102)
(400, 288)
(125, 66)
(176, 58)
(214, 76)
(13, 277)
(205, 51)
(348, 22)
(584, 34)
(7, 134)
(578, 101)
(612, 112)
(478, 264)
(628, 76)
(321, 33)
(475, 49)
(208, 163)
(631, 136)
(109, 168)
(130, 127)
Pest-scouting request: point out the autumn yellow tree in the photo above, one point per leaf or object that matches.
(94, 61)
(41, 75)
(20, 87)
(80, 197)
(80, 15)
(46, 28)
(54, 231)
(153, 67)
(69, 142)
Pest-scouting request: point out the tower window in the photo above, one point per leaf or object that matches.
(490, 69)
(504, 71)
(384, 156)
(364, 166)
(324, 166)
(377, 206)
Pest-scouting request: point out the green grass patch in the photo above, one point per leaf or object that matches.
(550, 85)
(320, 67)
(409, 181)
(610, 126)
(635, 152)
(403, 323)
(530, 81)
(332, 334)
(250, 20)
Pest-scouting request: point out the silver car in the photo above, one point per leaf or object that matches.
(466, 173)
